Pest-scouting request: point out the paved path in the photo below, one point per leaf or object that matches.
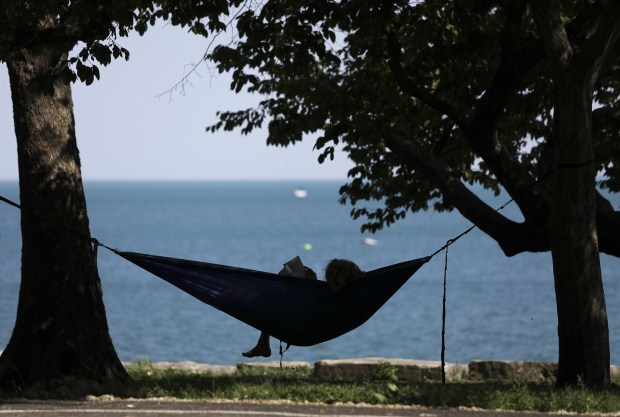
(153, 408)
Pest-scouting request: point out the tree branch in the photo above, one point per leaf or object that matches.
(607, 225)
(480, 131)
(547, 17)
(63, 34)
(585, 41)
(597, 35)
(517, 60)
(604, 117)
(512, 237)
(605, 133)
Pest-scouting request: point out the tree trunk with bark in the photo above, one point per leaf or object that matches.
(61, 331)
(582, 316)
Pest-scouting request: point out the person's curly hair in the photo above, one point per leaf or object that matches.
(339, 273)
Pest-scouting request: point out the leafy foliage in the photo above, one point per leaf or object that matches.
(65, 24)
(96, 27)
(353, 72)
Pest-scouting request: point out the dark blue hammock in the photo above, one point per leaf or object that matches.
(297, 311)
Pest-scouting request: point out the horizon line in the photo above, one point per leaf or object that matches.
(194, 179)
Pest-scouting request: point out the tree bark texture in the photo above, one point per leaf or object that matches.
(582, 316)
(61, 330)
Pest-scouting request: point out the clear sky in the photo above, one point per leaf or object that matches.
(125, 131)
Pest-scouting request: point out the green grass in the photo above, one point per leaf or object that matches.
(299, 385)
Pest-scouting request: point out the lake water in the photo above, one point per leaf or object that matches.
(497, 307)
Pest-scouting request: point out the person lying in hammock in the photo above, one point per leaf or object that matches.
(293, 268)
(339, 273)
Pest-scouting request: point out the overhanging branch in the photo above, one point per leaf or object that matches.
(512, 237)
(480, 131)
(518, 58)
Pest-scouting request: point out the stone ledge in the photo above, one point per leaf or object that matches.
(370, 368)
(614, 373)
(405, 369)
(195, 367)
(537, 372)
(523, 371)
(273, 364)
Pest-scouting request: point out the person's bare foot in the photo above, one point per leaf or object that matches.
(265, 352)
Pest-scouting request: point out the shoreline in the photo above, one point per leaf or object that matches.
(357, 369)
(405, 369)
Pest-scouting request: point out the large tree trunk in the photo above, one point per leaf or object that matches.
(61, 330)
(582, 317)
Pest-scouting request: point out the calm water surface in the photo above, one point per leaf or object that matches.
(498, 307)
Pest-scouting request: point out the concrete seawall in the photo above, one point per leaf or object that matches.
(405, 369)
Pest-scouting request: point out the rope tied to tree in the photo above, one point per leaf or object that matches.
(457, 237)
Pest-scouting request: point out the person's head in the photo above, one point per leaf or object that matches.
(339, 273)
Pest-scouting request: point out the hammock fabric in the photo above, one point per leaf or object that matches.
(297, 311)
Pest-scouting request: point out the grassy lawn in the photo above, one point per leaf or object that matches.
(299, 385)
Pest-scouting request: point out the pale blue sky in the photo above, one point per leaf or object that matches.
(125, 131)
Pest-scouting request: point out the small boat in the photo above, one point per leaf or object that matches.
(300, 193)
(370, 241)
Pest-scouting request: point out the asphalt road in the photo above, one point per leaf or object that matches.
(128, 408)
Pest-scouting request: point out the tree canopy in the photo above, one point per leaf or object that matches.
(427, 98)
(96, 27)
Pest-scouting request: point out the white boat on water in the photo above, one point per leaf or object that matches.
(370, 241)
(300, 193)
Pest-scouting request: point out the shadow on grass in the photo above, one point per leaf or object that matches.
(298, 384)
